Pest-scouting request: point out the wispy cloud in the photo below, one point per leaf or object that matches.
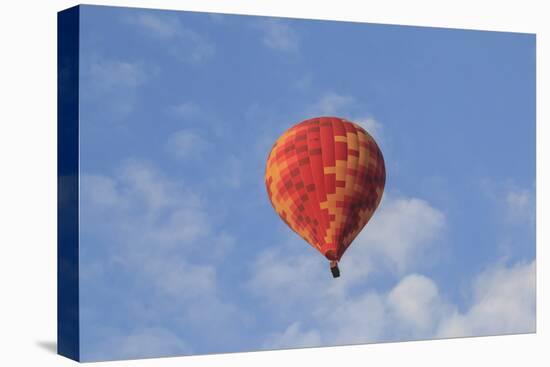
(186, 144)
(181, 41)
(521, 205)
(401, 233)
(138, 196)
(107, 74)
(399, 240)
(196, 115)
(294, 336)
(186, 110)
(504, 302)
(204, 130)
(345, 106)
(515, 205)
(114, 84)
(156, 231)
(160, 25)
(331, 103)
(231, 172)
(141, 343)
(416, 303)
(279, 36)
(373, 126)
(285, 271)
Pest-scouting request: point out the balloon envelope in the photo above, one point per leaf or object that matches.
(325, 178)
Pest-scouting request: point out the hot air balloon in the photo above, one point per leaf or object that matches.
(325, 177)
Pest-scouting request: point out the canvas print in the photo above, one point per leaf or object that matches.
(233, 183)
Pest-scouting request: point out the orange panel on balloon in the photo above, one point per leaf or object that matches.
(325, 177)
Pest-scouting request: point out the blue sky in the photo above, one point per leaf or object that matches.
(181, 251)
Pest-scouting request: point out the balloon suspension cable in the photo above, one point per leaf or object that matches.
(334, 269)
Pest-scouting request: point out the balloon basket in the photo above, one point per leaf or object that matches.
(335, 271)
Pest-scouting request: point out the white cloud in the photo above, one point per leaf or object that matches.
(373, 127)
(113, 84)
(410, 310)
(518, 200)
(286, 280)
(397, 239)
(504, 301)
(140, 196)
(513, 203)
(186, 110)
(330, 103)
(416, 303)
(399, 234)
(180, 279)
(293, 276)
(514, 209)
(345, 106)
(186, 144)
(279, 36)
(231, 173)
(100, 190)
(145, 184)
(162, 26)
(404, 234)
(181, 41)
(520, 205)
(140, 343)
(108, 74)
(154, 230)
(293, 337)
(360, 319)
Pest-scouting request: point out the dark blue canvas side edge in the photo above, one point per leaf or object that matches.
(68, 331)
